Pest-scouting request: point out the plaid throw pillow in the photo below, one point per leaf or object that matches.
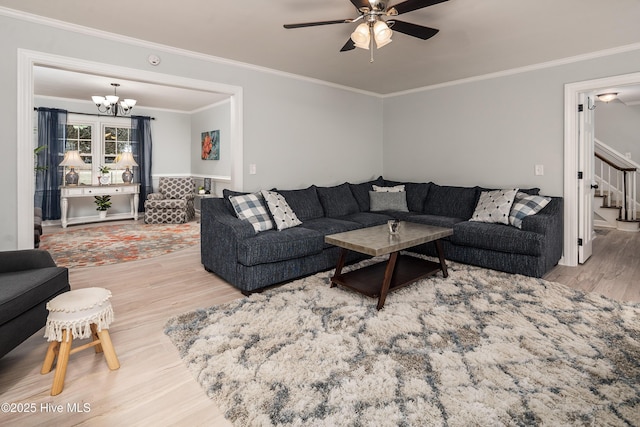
(250, 207)
(525, 205)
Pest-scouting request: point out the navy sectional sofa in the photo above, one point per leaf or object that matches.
(250, 261)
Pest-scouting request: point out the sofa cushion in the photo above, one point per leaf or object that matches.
(525, 205)
(283, 216)
(337, 201)
(494, 206)
(305, 203)
(391, 200)
(497, 237)
(165, 204)
(251, 207)
(367, 219)
(25, 289)
(361, 192)
(438, 221)
(272, 246)
(455, 202)
(327, 226)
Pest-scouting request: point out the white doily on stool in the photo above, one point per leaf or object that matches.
(76, 311)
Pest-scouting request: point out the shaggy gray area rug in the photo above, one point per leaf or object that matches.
(478, 348)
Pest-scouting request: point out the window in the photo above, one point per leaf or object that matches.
(79, 138)
(116, 140)
(99, 140)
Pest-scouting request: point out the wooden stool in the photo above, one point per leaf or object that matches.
(83, 313)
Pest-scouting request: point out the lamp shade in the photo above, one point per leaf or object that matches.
(361, 36)
(126, 160)
(382, 33)
(72, 159)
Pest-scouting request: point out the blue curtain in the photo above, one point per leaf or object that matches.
(49, 176)
(141, 149)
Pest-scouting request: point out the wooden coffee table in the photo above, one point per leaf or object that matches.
(377, 280)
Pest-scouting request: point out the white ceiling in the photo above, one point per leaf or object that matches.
(476, 37)
(57, 83)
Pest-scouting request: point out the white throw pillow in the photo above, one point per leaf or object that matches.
(250, 207)
(394, 189)
(494, 206)
(282, 214)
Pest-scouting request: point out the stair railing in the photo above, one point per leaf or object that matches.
(625, 188)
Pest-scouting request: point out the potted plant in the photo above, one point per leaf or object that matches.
(103, 203)
(105, 176)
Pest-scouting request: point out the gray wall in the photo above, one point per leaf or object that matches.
(618, 126)
(489, 132)
(217, 117)
(295, 130)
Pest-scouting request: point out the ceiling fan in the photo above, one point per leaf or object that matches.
(377, 20)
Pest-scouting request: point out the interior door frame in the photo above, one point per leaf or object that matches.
(27, 59)
(571, 149)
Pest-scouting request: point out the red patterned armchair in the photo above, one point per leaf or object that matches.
(172, 204)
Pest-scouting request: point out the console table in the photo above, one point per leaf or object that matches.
(70, 192)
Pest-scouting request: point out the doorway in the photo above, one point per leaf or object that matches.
(27, 60)
(574, 163)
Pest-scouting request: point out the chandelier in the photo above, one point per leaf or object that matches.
(109, 104)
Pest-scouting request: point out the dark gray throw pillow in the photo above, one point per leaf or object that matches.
(388, 201)
(361, 192)
(337, 201)
(304, 202)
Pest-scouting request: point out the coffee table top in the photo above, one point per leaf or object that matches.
(377, 240)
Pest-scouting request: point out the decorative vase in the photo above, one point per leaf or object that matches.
(103, 214)
(127, 176)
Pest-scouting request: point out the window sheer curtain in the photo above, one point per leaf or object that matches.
(141, 148)
(49, 176)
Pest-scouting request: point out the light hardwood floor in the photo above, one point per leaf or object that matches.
(153, 386)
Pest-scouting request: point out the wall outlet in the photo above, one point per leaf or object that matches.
(539, 170)
(252, 169)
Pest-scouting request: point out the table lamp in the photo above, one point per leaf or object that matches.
(126, 161)
(73, 160)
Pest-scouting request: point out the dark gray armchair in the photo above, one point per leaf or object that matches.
(28, 280)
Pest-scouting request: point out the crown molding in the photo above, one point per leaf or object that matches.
(540, 66)
(93, 32)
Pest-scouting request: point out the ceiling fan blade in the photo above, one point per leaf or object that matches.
(313, 24)
(409, 5)
(361, 3)
(349, 45)
(414, 30)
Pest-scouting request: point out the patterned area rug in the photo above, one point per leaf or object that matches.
(478, 348)
(111, 244)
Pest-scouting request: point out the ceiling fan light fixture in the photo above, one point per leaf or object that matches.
(607, 97)
(382, 33)
(380, 44)
(360, 36)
